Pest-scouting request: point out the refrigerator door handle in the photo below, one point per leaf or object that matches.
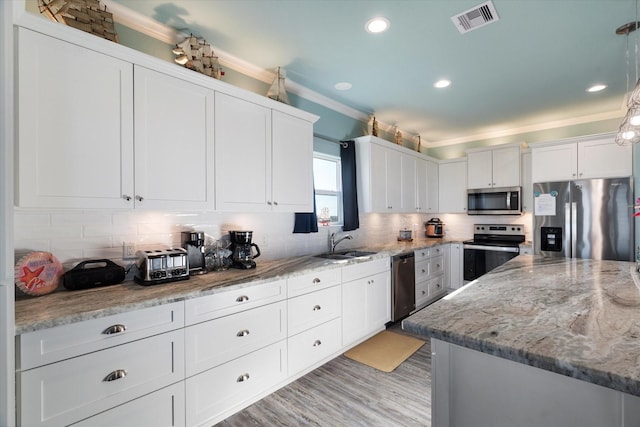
(574, 230)
(568, 241)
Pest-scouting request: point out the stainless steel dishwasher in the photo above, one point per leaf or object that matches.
(403, 283)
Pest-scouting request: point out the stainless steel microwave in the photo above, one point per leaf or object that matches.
(494, 201)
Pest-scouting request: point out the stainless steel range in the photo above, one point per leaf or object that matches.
(492, 246)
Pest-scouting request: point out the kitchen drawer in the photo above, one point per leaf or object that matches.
(422, 292)
(436, 265)
(74, 389)
(62, 342)
(235, 299)
(313, 309)
(164, 407)
(299, 285)
(436, 286)
(422, 254)
(314, 345)
(217, 341)
(422, 270)
(437, 251)
(364, 269)
(218, 392)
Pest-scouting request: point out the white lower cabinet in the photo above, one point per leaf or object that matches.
(219, 392)
(366, 299)
(217, 341)
(312, 346)
(430, 278)
(164, 407)
(70, 390)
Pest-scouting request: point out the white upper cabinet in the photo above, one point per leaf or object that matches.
(452, 194)
(292, 160)
(584, 158)
(493, 168)
(173, 134)
(394, 179)
(263, 159)
(243, 155)
(75, 126)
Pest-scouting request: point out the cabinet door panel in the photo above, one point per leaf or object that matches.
(554, 163)
(173, 132)
(312, 346)
(394, 181)
(378, 179)
(307, 311)
(453, 187)
(292, 157)
(242, 155)
(604, 159)
(432, 184)
(408, 184)
(75, 126)
(506, 167)
(479, 171)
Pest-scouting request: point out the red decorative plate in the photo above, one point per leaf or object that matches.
(38, 273)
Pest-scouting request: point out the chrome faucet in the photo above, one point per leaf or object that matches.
(335, 242)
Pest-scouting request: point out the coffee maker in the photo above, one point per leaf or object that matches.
(241, 247)
(193, 242)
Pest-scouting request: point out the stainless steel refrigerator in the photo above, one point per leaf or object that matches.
(585, 219)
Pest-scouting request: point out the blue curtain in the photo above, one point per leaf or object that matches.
(306, 222)
(349, 191)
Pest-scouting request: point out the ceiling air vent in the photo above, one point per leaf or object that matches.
(476, 17)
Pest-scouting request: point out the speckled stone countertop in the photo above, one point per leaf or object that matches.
(575, 317)
(64, 307)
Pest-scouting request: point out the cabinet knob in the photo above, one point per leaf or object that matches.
(317, 343)
(424, 271)
(116, 375)
(316, 280)
(275, 203)
(242, 298)
(423, 292)
(114, 329)
(126, 197)
(139, 198)
(243, 333)
(317, 308)
(242, 378)
(269, 203)
(438, 265)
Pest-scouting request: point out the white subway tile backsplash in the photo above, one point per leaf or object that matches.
(75, 235)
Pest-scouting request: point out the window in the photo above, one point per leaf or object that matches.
(327, 180)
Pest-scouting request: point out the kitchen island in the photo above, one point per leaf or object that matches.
(537, 341)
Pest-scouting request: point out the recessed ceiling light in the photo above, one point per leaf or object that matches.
(442, 83)
(377, 25)
(597, 88)
(343, 86)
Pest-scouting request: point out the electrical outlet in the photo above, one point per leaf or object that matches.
(128, 250)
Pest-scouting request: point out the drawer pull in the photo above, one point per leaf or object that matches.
(423, 292)
(317, 308)
(423, 270)
(316, 280)
(317, 343)
(242, 378)
(243, 333)
(242, 298)
(114, 329)
(115, 375)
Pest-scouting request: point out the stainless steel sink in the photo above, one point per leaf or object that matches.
(346, 255)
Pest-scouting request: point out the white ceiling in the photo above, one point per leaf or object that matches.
(527, 71)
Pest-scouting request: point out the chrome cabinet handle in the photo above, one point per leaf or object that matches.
(243, 333)
(316, 280)
(242, 298)
(317, 343)
(114, 329)
(317, 308)
(243, 378)
(139, 198)
(116, 375)
(126, 197)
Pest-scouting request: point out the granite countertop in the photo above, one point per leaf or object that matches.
(574, 317)
(64, 307)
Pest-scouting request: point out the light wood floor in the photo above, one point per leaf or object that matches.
(347, 393)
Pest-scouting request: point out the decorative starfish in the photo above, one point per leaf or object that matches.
(29, 275)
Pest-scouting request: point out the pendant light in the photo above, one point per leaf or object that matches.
(629, 131)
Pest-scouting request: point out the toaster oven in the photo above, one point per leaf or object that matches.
(162, 266)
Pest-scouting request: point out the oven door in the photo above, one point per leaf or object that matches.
(481, 259)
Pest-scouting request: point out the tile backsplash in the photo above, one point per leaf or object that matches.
(73, 236)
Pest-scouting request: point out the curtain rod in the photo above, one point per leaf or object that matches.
(328, 139)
